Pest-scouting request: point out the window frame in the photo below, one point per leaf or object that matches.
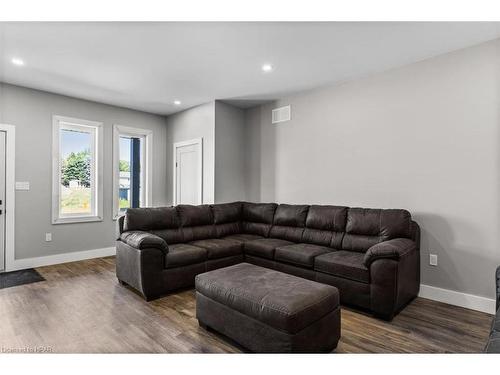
(146, 170)
(95, 128)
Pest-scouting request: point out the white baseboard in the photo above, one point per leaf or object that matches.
(20, 264)
(469, 301)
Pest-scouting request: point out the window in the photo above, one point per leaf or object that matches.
(132, 152)
(77, 170)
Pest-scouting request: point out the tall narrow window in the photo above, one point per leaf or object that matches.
(77, 170)
(131, 192)
(132, 163)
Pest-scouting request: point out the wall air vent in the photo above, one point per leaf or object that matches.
(281, 114)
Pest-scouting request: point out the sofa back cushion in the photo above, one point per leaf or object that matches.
(325, 226)
(257, 218)
(227, 218)
(290, 215)
(171, 236)
(162, 221)
(367, 227)
(197, 222)
(147, 219)
(191, 216)
(289, 221)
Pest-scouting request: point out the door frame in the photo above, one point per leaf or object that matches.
(10, 195)
(199, 143)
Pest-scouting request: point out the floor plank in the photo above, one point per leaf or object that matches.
(81, 308)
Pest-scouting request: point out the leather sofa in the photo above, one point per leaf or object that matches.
(370, 255)
(493, 344)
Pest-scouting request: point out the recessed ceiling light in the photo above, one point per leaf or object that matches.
(17, 61)
(266, 68)
(177, 102)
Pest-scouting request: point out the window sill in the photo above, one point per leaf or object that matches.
(75, 220)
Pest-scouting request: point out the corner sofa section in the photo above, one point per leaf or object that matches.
(370, 255)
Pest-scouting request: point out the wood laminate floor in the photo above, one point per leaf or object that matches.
(81, 308)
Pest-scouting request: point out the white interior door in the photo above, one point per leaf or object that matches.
(2, 200)
(188, 172)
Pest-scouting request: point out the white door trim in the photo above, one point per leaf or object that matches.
(10, 194)
(199, 143)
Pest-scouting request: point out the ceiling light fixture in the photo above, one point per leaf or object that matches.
(17, 61)
(266, 68)
(177, 102)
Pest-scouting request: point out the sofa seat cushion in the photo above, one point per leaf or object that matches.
(219, 248)
(301, 254)
(243, 237)
(264, 247)
(284, 302)
(347, 264)
(184, 254)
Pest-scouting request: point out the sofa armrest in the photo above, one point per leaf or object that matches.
(392, 249)
(119, 226)
(144, 240)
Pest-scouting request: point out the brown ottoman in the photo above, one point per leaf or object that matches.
(267, 311)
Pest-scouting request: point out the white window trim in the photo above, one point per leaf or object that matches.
(199, 143)
(97, 170)
(147, 152)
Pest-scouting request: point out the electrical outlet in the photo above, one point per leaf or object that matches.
(433, 259)
(48, 237)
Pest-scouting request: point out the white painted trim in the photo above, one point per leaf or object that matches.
(98, 155)
(10, 193)
(20, 264)
(196, 141)
(147, 134)
(451, 297)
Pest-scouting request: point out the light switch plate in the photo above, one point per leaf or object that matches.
(433, 259)
(22, 185)
(48, 237)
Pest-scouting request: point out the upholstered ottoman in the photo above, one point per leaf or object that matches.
(268, 311)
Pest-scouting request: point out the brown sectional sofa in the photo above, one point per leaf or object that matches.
(370, 255)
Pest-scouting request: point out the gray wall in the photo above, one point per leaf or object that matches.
(31, 112)
(229, 153)
(193, 123)
(423, 137)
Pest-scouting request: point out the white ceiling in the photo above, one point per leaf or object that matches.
(147, 66)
